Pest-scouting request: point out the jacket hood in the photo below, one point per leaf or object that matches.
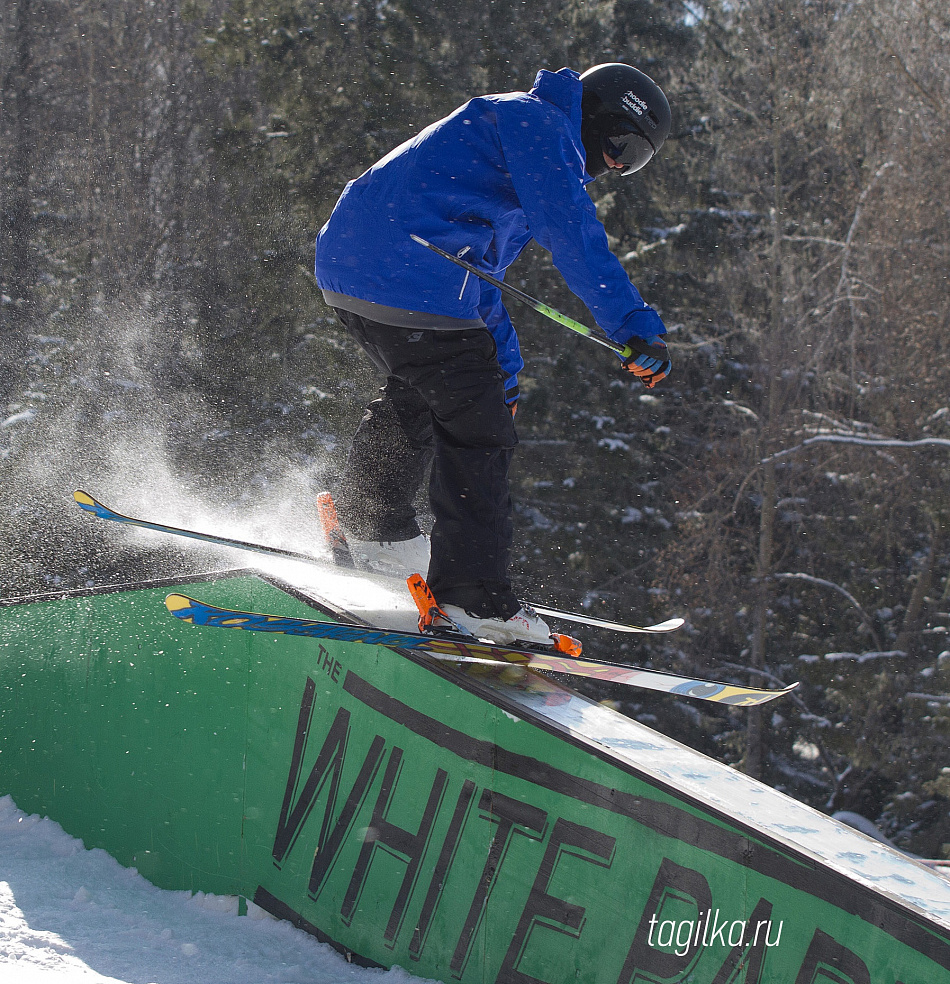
(563, 89)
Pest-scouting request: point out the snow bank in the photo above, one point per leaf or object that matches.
(68, 914)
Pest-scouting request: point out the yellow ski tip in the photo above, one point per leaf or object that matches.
(176, 603)
(84, 498)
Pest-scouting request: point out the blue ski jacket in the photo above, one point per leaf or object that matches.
(481, 183)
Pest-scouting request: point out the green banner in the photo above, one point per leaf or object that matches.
(413, 814)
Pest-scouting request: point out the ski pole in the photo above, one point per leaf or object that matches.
(624, 351)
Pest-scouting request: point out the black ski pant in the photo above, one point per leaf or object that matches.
(443, 403)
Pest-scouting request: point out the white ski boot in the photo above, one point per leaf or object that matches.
(524, 627)
(394, 558)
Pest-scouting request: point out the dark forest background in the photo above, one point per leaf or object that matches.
(166, 167)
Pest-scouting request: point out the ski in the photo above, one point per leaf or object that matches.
(457, 649)
(92, 505)
(341, 555)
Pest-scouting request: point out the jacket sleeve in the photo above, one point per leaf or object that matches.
(547, 171)
(496, 318)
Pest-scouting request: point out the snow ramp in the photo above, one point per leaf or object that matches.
(410, 813)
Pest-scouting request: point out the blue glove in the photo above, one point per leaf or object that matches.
(649, 359)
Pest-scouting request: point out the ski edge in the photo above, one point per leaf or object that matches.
(196, 612)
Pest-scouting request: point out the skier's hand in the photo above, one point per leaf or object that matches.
(649, 359)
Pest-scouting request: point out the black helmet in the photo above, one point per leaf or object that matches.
(626, 116)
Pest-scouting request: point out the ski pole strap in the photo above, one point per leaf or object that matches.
(624, 351)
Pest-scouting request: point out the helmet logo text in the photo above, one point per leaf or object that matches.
(636, 105)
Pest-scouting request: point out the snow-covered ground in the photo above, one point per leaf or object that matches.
(68, 914)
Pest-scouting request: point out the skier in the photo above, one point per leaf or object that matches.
(481, 183)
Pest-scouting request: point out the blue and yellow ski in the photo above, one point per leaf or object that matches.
(463, 650)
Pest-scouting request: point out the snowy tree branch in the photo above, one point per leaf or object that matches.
(879, 442)
(821, 582)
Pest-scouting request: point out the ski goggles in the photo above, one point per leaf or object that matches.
(627, 144)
